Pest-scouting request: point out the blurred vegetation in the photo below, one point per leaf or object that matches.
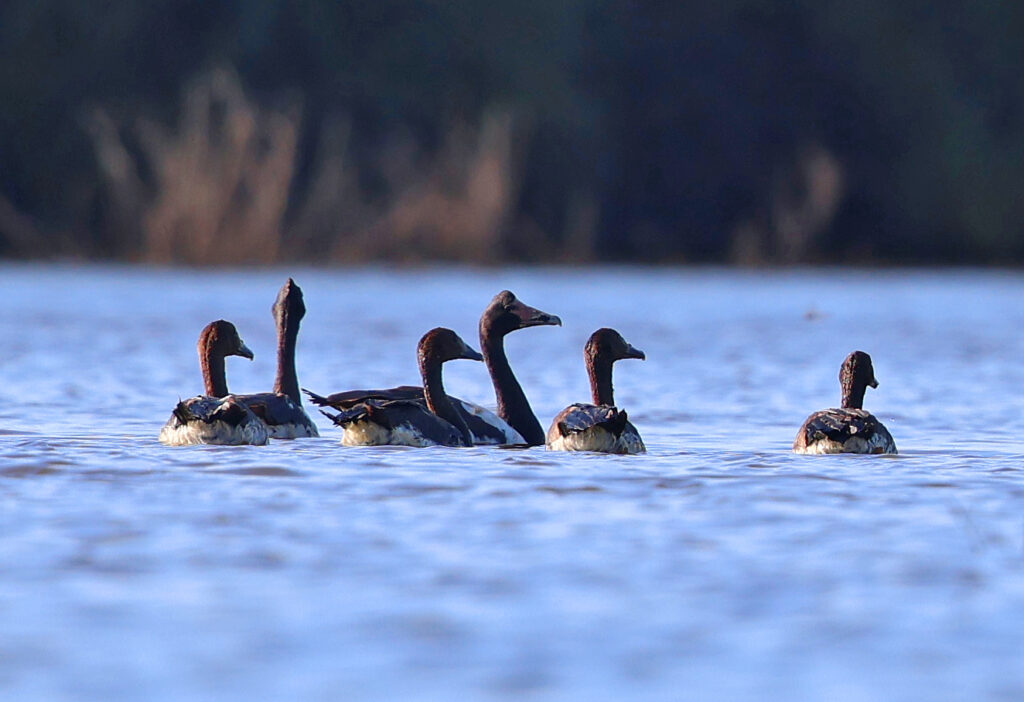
(749, 131)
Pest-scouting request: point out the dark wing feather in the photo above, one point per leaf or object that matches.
(351, 398)
(211, 409)
(363, 410)
(383, 412)
(353, 414)
(839, 425)
(480, 428)
(274, 408)
(580, 417)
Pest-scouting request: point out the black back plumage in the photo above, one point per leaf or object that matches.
(840, 425)
(275, 410)
(212, 409)
(482, 430)
(351, 398)
(581, 417)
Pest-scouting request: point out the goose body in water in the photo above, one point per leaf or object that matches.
(379, 421)
(216, 417)
(849, 428)
(281, 410)
(514, 422)
(599, 426)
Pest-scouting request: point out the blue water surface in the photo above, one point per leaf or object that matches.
(717, 566)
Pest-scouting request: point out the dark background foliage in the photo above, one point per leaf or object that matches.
(739, 131)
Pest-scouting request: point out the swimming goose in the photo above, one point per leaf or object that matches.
(407, 422)
(515, 422)
(281, 410)
(849, 429)
(216, 417)
(599, 426)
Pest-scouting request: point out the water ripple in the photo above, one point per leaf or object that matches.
(719, 563)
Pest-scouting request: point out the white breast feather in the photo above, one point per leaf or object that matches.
(597, 439)
(218, 433)
(511, 435)
(876, 443)
(821, 447)
(292, 431)
(365, 433)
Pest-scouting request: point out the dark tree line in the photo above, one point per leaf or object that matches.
(744, 130)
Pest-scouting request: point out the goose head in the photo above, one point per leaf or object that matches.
(608, 344)
(506, 314)
(289, 307)
(221, 338)
(440, 345)
(855, 376)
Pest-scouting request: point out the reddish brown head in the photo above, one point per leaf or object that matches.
(609, 345)
(440, 345)
(222, 339)
(603, 348)
(217, 341)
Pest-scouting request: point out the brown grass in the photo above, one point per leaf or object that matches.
(221, 179)
(452, 208)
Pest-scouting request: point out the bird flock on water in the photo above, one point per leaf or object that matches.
(425, 415)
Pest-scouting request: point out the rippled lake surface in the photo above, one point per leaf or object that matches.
(717, 566)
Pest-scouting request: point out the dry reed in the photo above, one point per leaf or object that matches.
(221, 180)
